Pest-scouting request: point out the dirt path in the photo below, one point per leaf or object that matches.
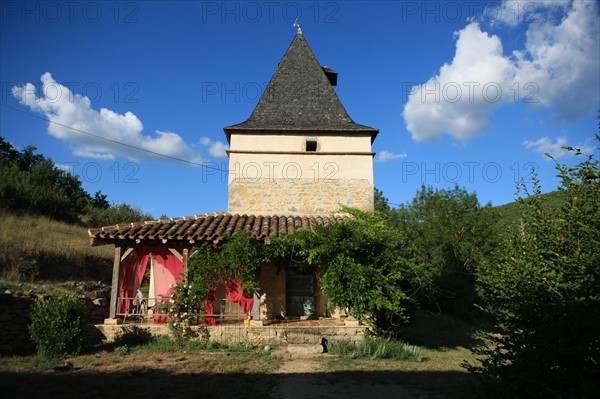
(302, 376)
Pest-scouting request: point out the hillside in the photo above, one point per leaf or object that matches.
(40, 254)
(508, 214)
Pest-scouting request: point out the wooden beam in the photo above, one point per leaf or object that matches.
(126, 254)
(177, 254)
(114, 289)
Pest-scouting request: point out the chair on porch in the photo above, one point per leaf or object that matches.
(138, 307)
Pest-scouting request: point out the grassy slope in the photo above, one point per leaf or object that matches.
(42, 254)
(508, 214)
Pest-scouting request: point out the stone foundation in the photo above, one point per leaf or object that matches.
(310, 332)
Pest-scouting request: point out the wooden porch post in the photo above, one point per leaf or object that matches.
(114, 290)
(185, 264)
(255, 313)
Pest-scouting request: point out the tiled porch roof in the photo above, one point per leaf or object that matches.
(213, 227)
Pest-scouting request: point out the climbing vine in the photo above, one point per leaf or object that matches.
(368, 267)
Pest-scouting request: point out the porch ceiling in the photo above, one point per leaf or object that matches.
(213, 227)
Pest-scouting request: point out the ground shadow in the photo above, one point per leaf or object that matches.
(153, 383)
(434, 331)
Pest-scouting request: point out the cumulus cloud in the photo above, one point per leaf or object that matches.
(72, 116)
(558, 67)
(384, 156)
(216, 148)
(555, 148)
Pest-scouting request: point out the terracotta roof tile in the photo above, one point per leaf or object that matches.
(213, 227)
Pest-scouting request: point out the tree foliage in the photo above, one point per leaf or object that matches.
(544, 290)
(453, 236)
(113, 214)
(32, 183)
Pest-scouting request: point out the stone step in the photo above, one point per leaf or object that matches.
(305, 349)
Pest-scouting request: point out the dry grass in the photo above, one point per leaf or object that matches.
(35, 250)
(142, 374)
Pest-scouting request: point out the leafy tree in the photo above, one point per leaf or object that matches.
(7, 152)
(454, 235)
(544, 290)
(99, 201)
(381, 203)
(117, 213)
(31, 183)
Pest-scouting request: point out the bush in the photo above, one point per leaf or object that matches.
(58, 325)
(133, 336)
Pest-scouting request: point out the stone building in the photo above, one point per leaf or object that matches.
(297, 159)
(300, 152)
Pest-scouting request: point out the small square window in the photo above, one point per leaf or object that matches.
(311, 145)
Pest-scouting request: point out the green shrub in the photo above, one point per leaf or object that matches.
(58, 325)
(133, 336)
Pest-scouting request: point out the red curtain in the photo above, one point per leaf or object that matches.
(210, 300)
(234, 291)
(131, 274)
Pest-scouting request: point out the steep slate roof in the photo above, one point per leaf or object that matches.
(213, 227)
(299, 97)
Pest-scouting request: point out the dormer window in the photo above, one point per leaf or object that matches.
(311, 145)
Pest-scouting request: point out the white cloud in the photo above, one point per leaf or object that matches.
(545, 145)
(558, 67)
(68, 111)
(385, 156)
(216, 148)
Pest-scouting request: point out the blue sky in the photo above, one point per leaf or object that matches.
(469, 93)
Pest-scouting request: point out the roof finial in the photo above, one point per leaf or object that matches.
(297, 25)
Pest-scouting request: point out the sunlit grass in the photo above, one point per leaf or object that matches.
(35, 249)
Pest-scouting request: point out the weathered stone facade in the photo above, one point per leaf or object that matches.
(304, 196)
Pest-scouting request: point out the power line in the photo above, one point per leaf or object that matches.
(115, 141)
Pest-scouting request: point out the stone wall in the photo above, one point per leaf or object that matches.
(14, 319)
(304, 196)
(273, 289)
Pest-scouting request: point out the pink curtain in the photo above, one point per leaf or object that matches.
(131, 274)
(168, 271)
